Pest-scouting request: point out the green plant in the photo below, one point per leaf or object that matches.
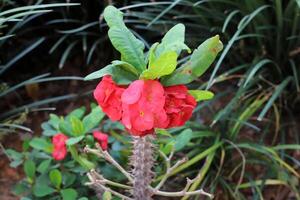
(257, 88)
(50, 179)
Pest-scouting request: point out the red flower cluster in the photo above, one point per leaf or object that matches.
(179, 105)
(102, 139)
(59, 144)
(145, 104)
(108, 96)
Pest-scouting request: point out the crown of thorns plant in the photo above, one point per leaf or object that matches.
(145, 91)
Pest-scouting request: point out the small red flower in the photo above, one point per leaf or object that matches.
(179, 105)
(102, 139)
(59, 153)
(59, 140)
(108, 96)
(59, 144)
(143, 107)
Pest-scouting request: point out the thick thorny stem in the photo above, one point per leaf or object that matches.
(142, 162)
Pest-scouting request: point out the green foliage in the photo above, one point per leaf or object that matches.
(164, 65)
(162, 57)
(199, 62)
(201, 95)
(123, 40)
(47, 178)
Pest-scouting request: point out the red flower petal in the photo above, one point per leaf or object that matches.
(108, 96)
(59, 140)
(101, 138)
(59, 153)
(133, 93)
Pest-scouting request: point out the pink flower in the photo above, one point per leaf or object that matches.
(179, 105)
(59, 144)
(143, 107)
(102, 139)
(59, 153)
(59, 140)
(108, 96)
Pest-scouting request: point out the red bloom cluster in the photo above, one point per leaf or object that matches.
(108, 96)
(59, 144)
(179, 105)
(145, 104)
(102, 139)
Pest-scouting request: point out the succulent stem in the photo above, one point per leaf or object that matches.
(142, 162)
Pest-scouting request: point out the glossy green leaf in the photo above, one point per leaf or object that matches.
(122, 76)
(199, 62)
(55, 178)
(151, 54)
(77, 126)
(43, 166)
(183, 139)
(84, 162)
(122, 73)
(41, 144)
(162, 66)
(41, 190)
(74, 140)
(201, 95)
(123, 40)
(173, 41)
(126, 66)
(29, 169)
(107, 70)
(69, 194)
(93, 119)
(79, 113)
(169, 147)
(163, 132)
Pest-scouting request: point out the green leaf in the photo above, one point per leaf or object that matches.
(123, 77)
(93, 119)
(151, 57)
(41, 144)
(68, 178)
(162, 66)
(126, 66)
(107, 70)
(78, 113)
(106, 195)
(69, 194)
(21, 188)
(29, 169)
(201, 95)
(80, 159)
(65, 127)
(74, 140)
(163, 132)
(183, 139)
(43, 166)
(55, 178)
(122, 73)
(12, 154)
(168, 147)
(77, 126)
(199, 62)
(123, 40)
(41, 190)
(173, 41)
(54, 121)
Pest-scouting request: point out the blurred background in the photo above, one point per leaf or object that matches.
(48, 46)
